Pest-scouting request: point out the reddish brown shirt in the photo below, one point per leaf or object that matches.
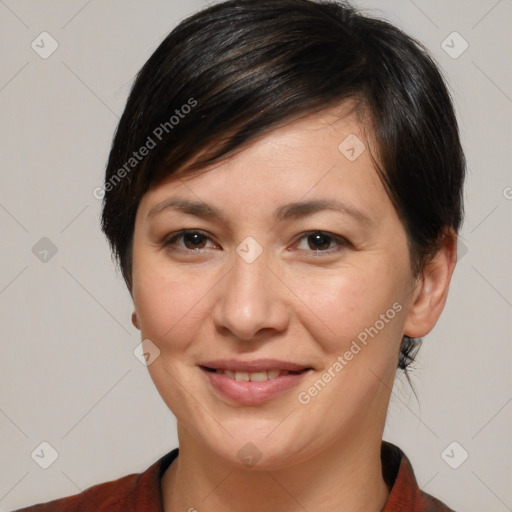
(142, 493)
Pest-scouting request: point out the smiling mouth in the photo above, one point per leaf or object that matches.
(259, 376)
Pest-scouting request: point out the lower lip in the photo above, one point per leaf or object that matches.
(253, 393)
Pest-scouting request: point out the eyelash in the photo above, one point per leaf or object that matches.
(343, 243)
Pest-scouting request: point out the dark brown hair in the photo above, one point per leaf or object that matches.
(240, 68)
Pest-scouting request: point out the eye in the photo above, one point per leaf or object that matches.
(191, 240)
(188, 240)
(320, 241)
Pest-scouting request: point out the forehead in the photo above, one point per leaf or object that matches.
(324, 154)
(348, 115)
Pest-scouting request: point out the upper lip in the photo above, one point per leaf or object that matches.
(255, 365)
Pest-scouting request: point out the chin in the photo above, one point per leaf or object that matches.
(262, 448)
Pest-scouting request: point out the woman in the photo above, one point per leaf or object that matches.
(283, 195)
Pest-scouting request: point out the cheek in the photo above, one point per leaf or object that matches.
(357, 323)
(348, 302)
(168, 302)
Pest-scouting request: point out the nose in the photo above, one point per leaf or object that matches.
(251, 301)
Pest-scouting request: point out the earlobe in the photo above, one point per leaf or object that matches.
(432, 289)
(135, 320)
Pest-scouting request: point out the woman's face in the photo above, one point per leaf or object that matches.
(294, 259)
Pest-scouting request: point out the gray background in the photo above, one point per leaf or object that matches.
(68, 374)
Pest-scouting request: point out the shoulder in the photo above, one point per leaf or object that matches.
(431, 504)
(405, 495)
(104, 496)
(134, 492)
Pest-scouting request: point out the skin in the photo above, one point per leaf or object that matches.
(299, 301)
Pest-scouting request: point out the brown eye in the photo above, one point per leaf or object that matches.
(322, 242)
(319, 241)
(193, 240)
(190, 240)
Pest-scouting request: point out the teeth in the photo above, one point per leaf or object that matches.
(253, 376)
(258, 376)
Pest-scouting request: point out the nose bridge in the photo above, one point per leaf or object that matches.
(251, 299)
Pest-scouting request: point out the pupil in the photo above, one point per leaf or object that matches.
(320, 241)
(193, 239)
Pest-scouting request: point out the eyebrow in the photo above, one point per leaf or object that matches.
(288, 211)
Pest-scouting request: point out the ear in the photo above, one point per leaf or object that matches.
(431, 289)
(135, 320)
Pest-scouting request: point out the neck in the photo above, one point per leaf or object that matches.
(338, 478)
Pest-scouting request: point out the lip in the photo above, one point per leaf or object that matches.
(248, 392)
(256, 365)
